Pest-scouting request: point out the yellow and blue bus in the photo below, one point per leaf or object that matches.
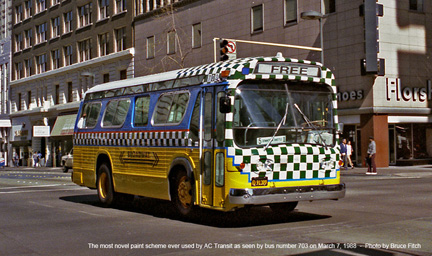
(250, 131)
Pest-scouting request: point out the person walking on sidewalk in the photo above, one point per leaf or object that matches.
(349, 153)
(343, 151)
(371, 152)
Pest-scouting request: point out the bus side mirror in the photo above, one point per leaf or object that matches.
(225, 105)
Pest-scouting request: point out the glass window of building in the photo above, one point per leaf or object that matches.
(55, 24)
(55, 57)
(19, 70)
(103, 44)
(69, 92)
(67, 51)
(41, 63)
(416, 5)
(329, 6)
(257, 18)
(18, 13)
(171, 44)
(67, 18)
(84, 50)
(28, 67)
(28, 35)
(28, 9)
(120, 6)
(150, 47)
(85, 15)
(18, 42)
(40, 6)
(290, 11)
(103, 9)
(196, 35)
(120, 35)
(41, 33)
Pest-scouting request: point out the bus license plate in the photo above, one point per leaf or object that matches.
(259, 182)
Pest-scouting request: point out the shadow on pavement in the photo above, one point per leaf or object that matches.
(245, 217)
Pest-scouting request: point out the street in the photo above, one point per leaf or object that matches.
(43, 213)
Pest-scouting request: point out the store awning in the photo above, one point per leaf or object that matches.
(64, 125)
(5, 123)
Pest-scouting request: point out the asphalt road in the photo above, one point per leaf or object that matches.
(43, 213)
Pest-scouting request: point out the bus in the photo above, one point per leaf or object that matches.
(227, 135)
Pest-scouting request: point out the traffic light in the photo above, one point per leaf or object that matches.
(223, 49)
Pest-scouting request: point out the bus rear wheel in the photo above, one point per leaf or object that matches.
(183, 194)
(105, 187)
(283, 207)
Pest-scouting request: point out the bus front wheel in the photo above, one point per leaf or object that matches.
(182, 194)
(105, 187)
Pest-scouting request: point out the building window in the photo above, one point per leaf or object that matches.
(18, 13)
(28, 67)
(150, 47)
(416, 5)
(19, 70)
(106, 78)
(19, 102)
(196, 35)
(69, 92)
(140, 6)
(41, 33)
(55, 24)
(55, 56)
(67, 51)
(29, 99)
(67, 17)
(123, 74)
(18, 42)
(329, 6)
(171, 42)
(120, 35)
(290, 11)
(28, 35)
(28, 9)
(257, 21)
(40, 6)
(56, 94)
(85, 13)
(41, 63)
(120, 6)
(103, 44)
(103, 9)
(54, 2)
(84, 50)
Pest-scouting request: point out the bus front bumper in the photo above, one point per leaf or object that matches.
(260, 196)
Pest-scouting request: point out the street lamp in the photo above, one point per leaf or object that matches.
(314, 15)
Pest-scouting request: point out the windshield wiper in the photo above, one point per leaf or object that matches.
(282, 121)
(310, 123)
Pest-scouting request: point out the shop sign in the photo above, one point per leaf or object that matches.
(394, 91)
(350, 95)
(41, 131)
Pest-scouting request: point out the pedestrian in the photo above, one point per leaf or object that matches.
(39, 156)
(350, 150)
(371, 152)
(343, 150)
(16, 159)
(35, 159)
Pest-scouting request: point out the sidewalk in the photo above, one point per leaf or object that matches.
(389, 171)
(28, 168)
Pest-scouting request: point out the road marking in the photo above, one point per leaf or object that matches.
(46, 190)
(39, 186)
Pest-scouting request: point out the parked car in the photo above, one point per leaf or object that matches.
(67, 161)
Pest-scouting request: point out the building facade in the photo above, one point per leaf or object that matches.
(60, 50)
(5, 59)
(380, 52)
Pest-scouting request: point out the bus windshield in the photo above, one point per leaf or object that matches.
(283, 112)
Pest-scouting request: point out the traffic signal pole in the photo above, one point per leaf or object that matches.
(215, 40)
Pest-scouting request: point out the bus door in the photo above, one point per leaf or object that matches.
(211, 187)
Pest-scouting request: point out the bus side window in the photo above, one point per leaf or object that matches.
(89, 115)
(220, 119)
(194, 123)
(141, 112)
(115, 113)
(171, 108)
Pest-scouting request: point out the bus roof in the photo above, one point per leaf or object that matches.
(235, 66)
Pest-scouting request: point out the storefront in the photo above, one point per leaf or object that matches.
(62, 137)
(21, 140)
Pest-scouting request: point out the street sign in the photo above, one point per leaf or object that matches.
(232, 49)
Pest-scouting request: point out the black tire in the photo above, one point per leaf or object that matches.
(105, 186)
(182, 194)
(283, 207)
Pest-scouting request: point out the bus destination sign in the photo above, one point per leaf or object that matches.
(278, 68)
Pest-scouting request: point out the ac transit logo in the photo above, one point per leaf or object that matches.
(395, 91)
